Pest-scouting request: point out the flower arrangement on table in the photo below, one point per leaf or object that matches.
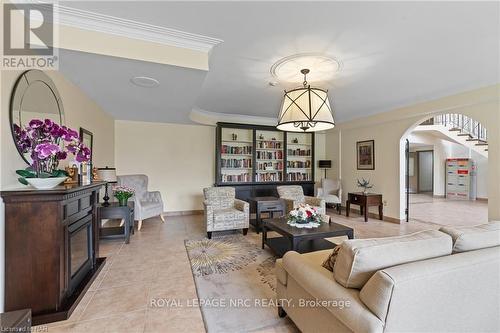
(47, 143)
(304, 216)
(123, 193)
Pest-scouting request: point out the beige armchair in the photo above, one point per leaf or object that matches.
(331, 192)
(293, 195)
(146, 203)
(223, 211)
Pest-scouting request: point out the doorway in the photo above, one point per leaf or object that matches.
(425, 171)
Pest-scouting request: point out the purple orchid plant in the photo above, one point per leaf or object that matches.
(48, 143)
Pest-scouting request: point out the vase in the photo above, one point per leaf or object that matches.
(45, 183)
(122, 201)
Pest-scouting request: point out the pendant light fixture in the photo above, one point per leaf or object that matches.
(305, 109)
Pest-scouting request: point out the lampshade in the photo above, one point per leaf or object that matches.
(324, 164)
(107, 174)
(305, 109)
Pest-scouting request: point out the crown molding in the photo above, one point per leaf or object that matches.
(108, 24)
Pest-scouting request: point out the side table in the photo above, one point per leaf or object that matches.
(365, 200)
(259, 205)
(115, 211)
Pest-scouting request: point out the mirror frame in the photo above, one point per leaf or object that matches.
(21, 86)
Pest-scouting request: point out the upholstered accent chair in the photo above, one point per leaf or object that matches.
(146, 203)
(331, 192)
(223, 211)
(293, 195)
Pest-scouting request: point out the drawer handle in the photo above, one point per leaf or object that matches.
(270, 207)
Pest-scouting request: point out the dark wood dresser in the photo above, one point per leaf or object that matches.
(51, 249)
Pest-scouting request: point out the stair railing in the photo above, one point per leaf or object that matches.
(463, 123)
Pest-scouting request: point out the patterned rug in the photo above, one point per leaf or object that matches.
(235, 279)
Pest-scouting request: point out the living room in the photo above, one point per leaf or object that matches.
(212, 163)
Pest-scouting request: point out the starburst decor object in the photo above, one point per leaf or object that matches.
(305, 109)
(365, 184)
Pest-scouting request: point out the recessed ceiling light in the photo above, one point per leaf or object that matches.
(273, 83)
(145, 82)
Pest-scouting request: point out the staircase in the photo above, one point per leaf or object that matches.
(461, 129)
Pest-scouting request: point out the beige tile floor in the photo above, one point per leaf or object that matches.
(155, 265)
(426, 208)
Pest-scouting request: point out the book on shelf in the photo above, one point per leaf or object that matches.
(270, 155)
(299, 152)
(240, 178)
(239, 150)
(269, 176)
(236, 163)
(269, 144)
(298, 164)
(298, 176)
(270, 166)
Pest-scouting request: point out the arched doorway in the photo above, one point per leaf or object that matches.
(444, 170)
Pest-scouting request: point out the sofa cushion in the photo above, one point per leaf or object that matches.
(330, 261)
(359, 259)
(475, 237)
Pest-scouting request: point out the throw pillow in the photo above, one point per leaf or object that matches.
(330, 261)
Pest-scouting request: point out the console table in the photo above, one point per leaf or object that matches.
(364, 201)
(259, 205)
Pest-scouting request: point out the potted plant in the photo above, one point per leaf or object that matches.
(304, 216)
(123, 193)
(47, 143)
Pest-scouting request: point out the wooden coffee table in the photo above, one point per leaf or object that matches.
(301, 240)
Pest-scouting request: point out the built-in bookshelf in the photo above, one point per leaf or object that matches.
(269, 156)
(236, 155)
(300, 160)
(252, 154)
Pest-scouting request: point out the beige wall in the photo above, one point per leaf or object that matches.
(389, 128)
(79, 111)
(179, 159)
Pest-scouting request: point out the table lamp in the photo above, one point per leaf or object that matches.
(109, 176)
(324, 164)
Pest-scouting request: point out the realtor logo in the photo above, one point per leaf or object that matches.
(28, 36)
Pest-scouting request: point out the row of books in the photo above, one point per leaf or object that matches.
(268, 177)
(270, 155)
(269, 144)
(299, 152)
(298, 164)
(298, 176)
(242, 177)
(270, 165)
(236, 163)
(240, 150)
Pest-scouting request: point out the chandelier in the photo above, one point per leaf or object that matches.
(305, 109)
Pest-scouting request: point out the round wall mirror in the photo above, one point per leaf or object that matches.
(35, 96)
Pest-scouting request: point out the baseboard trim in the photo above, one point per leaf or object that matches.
(439, 196)
(482, 199)
(183, 213)
(375, 216)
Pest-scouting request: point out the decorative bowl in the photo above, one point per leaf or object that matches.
(45, 183)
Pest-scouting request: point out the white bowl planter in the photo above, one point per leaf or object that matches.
(45, 183)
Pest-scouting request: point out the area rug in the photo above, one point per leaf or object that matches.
(235, 282)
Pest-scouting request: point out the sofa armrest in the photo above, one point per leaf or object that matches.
(153, 196)
(242, 206)
(289, 205)
(209, 215)
(320, 284)
(314, 201)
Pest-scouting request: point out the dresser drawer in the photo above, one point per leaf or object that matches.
(271, 206)
(357, 199)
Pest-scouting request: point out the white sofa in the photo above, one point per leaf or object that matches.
(457, 292)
